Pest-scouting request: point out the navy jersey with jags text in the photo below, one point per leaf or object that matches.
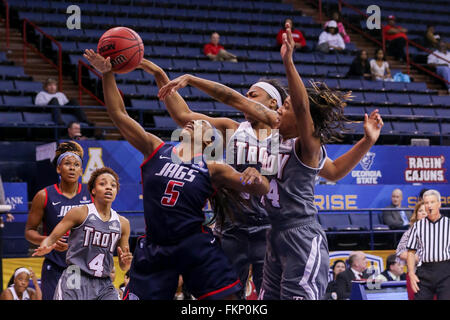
(56, 207)
(174, 195)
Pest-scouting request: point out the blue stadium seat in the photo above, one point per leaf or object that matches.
(354, 110)
(260, 67)
(443, 112)
(209, 76)
(7, 86)
(190, 52)
(300, 57)
(375, 97)
(354, 128)
(11, 118)
(28, 86)
(445, 129)
(332, 83)
(429, 112)
(130, 76)
(17, 100)
(209, 65)
(164, 123)
(38, 118)
(362, 220)
(393, 86)
(416, 86)
(401, 111)
(428, 128)
(185, 65)
(398, 98)
(223, 107)
(404, 127)
(68, 118)
(358, 97)
(325, 70)
(202, 106)
(372, 85)
(11, 71)
(128, 88)
(336, 222)
(146, 90)
(350, 84)
(145, 104)
(232, 79)
(420, 99)
(437, 100)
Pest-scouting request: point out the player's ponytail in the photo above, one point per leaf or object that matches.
(327, 111)
(220, 203)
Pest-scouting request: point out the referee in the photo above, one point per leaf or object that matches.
(432, 234)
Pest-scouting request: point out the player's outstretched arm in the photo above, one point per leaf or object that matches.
(123, 249)
(222, 94)
(177, 106)
(335, 170)
(73, 218)
(309, 143)
(131, 130)
(249, 181)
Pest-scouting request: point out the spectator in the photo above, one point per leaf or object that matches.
(74, 132)
(432, 277)
(360, 66)
(122, 287)
(395, 39)
(393, 272)
(330, 39)
(436, 59)
(341, 29)
(357, 271)
(18, 289)
(420, 197)
(398, 219)
(431, 40)
(9, 216)
(112, 275)
(299, 39)
(379, 67)
(217, 52)
(338, 267)
(51, 96)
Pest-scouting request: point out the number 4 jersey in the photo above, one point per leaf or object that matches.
(174, 195)
(92, 244)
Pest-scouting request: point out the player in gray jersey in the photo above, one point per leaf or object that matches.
(95, 232)
(305, 245)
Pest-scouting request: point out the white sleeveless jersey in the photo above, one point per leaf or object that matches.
(25, 295)
(92, 244)
(244, 150)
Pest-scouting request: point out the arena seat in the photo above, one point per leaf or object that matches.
(11, 118)
(17, 100)
(38, 118)
(336, 222)
(28, 86)
(428, 128)
(145, 104)
(164, 123)
(362, 220)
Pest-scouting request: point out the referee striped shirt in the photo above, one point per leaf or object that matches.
(433, 238)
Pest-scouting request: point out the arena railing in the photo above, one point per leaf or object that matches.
(82, 88)
(6, 4)
(27, 44)
(382, 44)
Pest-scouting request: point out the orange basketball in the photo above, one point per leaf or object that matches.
(124, 46)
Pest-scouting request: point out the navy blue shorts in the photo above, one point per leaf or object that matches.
(50, 275)
(207, 272)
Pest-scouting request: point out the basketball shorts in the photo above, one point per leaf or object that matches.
(296, 263)
(50, 275)
(206, 271)
(81, 286)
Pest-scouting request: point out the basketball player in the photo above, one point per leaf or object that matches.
(17, 288)
(296, 197)
(50, 205)
(95, 231)
(174, 195)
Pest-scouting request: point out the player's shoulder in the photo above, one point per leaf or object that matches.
(123, 221)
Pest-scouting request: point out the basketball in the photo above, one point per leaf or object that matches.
(124, 46)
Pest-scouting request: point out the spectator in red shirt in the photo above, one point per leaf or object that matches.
(299, 39)
(395, 39)
(217, 52)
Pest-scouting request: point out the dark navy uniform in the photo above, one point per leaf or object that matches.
(176, 242)
(56, 207)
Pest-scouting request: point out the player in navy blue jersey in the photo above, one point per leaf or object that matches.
(176, 186)
(50, 205)
(95, 232)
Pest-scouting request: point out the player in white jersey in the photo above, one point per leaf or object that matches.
(95, 232)
(312, 161)
(18, 289)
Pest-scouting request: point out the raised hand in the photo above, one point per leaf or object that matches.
(287, 48)
(43, 250)
(97, 61)
(373, 125)
(125, 256)
(251, 176)
(173, 86)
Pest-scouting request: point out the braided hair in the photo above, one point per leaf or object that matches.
(69, 146)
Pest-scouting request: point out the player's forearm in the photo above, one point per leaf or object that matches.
(234, 99)
(33, 236)
(38, 290)
(297, 90)
(345, 163)
(160, 75)
(113, 100)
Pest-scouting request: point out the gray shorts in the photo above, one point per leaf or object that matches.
(81, 286)
(296, 264)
